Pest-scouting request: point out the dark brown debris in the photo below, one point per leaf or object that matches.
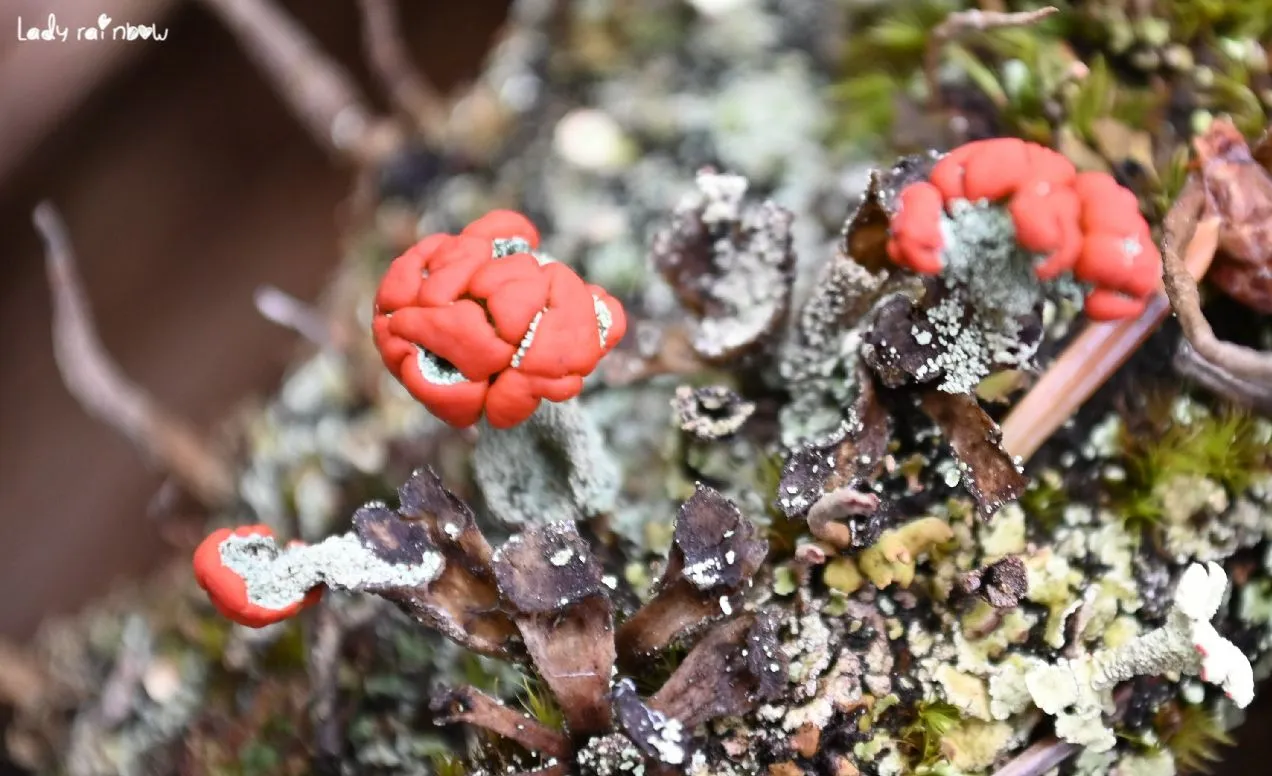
(715, 551)
(891, 345)
(463, 602)
(989, 473)
(1002, 584)
(735, 667)
(391, 538)
(731, 264)
(865, 235)
(812, 473)
(711, 412)
(472, 706)
(550, 579)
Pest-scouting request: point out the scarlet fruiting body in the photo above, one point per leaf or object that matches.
(477, 323)
(1085, 223)
(228, 591)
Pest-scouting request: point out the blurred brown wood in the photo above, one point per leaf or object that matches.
(185, 184)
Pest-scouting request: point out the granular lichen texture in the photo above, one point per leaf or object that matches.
(766, 514)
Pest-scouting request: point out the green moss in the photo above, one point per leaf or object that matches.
(1044, 501)
(538, 702)
(933, 720)
(444, 764)
(1194, 735)
(1227, 447)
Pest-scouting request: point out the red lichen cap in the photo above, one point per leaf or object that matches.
(474, 324)
(228, 591)
(1086, 223)
(1118, 254)
(914, 238)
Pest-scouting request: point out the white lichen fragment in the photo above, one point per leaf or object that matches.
(668, 739)
(1078, 692)
(278, 578)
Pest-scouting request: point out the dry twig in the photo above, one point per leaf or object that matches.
(317, 88)
(960, 23)
(280, 307)
(107, 394)
(1219, 381)
(1190, 223)
(1040, 758)
(391, 61)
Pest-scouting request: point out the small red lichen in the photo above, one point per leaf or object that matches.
(1085, 223)
(228, 591)
(470, 331)
(914, 240)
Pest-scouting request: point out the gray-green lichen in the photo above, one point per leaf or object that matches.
(553, 467)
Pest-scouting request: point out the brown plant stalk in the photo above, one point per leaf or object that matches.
(105, 392)
(317, 89)
(1183, 224)
(390, 59)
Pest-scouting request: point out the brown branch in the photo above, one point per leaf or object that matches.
(960, 23)
(107, 394)
(1189, 364)
(391, 61)
(1186, 226)
(280, 307)
(1038, 759)
(319, 91)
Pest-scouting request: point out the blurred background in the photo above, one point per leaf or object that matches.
(186, 184)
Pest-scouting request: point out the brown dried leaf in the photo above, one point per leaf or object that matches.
(549, 577)
(462, 602)
(737, 666)
(472, 706)
(715, 551)
(989, 473)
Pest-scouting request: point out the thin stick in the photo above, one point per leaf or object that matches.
(280, 307)
(1214, 378)
(960, 23)
(1181, 223)
(106, 393)
(319, 91)
(391, 61)
(1039, 758)
(1089, 361)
